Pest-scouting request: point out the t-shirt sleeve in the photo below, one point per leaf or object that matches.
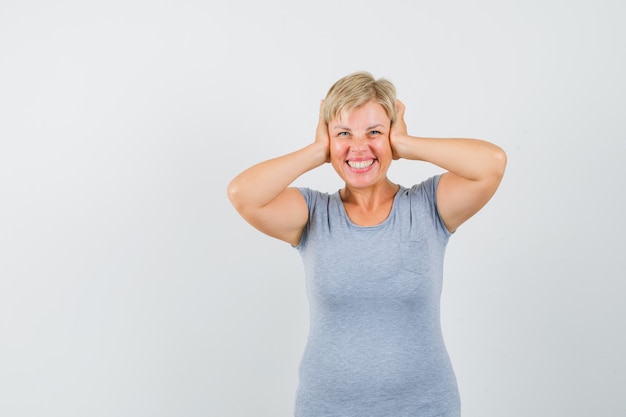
(310, 198)
(425, 195)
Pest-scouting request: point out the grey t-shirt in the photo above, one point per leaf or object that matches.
(375, 346)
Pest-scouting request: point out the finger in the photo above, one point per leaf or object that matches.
(322, 127)
(399, 125)
(400, 110)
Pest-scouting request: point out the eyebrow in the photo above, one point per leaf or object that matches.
(341, 127)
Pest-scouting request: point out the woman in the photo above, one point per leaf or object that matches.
(373, 252)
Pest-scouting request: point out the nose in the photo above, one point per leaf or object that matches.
(358, 144)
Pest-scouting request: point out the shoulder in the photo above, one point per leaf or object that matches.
(425, 190)
(315, 197)
(422, 201)
(321, 210)
(309, 193)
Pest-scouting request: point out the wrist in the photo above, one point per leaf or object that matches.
(319, 153)
(400, 146)
(412, 147)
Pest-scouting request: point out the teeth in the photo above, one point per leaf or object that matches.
(360, 164)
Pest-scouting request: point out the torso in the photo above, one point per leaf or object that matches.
(375, 345)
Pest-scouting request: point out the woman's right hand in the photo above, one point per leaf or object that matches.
(321, 133)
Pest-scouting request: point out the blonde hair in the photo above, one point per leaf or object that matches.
(355, 90)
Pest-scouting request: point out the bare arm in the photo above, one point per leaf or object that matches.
(262, 196)
(475, 169)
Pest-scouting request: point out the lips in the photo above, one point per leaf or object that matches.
(360, 165)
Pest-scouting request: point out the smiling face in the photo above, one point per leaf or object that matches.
(360, 150)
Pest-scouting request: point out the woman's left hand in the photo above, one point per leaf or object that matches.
(398, 131)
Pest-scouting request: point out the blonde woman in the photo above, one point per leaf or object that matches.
(372, 252)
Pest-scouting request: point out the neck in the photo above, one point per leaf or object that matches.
(369, 197)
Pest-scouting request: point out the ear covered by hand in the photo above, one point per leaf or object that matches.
(398, 130)
(321, 133)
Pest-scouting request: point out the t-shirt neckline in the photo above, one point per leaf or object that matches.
(392, 212)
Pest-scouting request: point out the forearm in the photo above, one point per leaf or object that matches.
(261, 183)
(472, 159)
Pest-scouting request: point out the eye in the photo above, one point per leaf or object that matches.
(344, 134)
(375, 132)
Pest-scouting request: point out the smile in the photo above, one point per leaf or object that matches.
(361, 164)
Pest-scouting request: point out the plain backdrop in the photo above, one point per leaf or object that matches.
(130, 287)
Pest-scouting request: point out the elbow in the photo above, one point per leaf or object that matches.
(502, 159)
(499, 159)
(233, 193)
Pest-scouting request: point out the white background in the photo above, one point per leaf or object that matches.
(130, 287)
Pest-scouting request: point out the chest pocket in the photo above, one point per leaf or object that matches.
(415, 255)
